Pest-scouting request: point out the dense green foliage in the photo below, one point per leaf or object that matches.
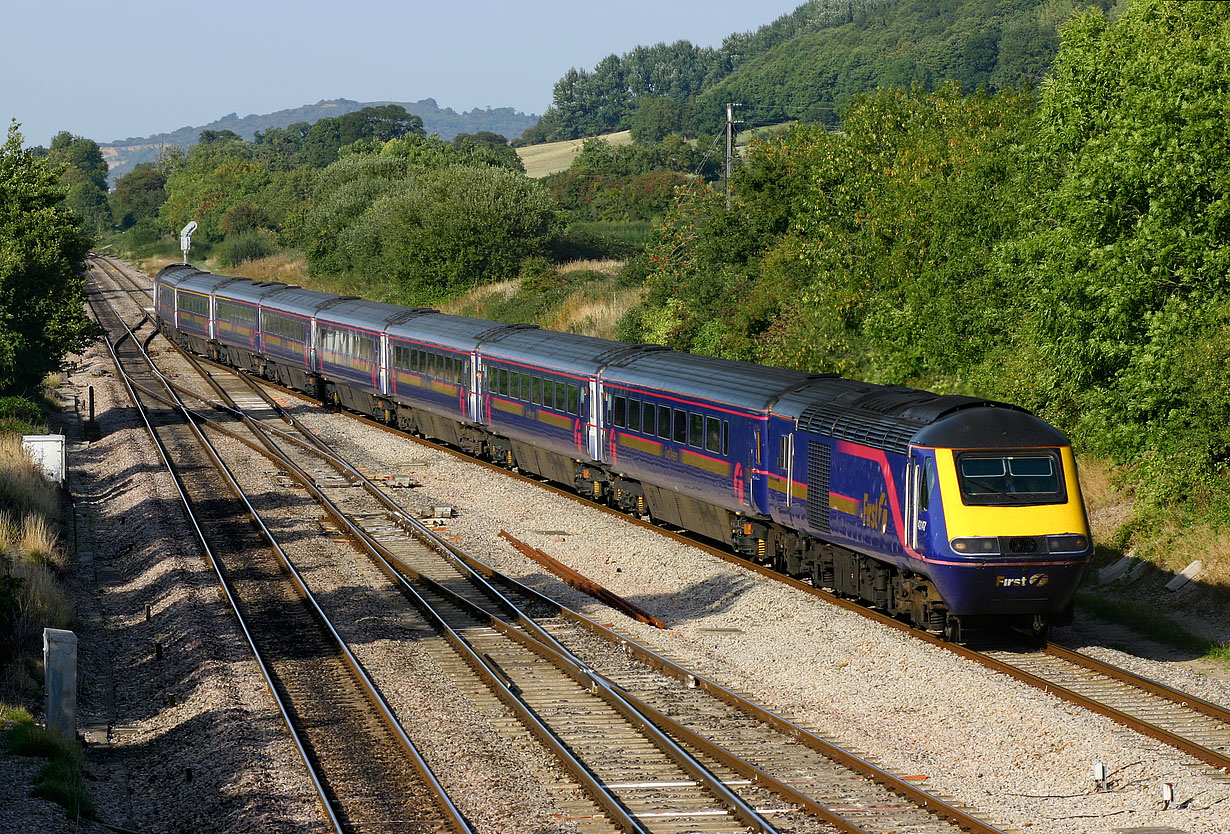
(808, 64)
(416, 213)
(318, 144)
(1069, 255)
(139, 195)
(84, 172)
(1132, 244)
(41, 253)
(612, 183)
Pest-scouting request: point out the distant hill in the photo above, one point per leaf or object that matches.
(123, 156)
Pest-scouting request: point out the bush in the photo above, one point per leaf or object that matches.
(20, 416)
(597, 242)
(248, 246)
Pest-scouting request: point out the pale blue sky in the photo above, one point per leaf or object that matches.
(137, 67)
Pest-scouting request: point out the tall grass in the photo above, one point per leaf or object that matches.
(23, 487)
(31, 557)
(60, 780)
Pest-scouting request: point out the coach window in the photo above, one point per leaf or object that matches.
(713, 435)
(696, 430)
(537, 397)
(526, 387)
(725, 437)
(574, 399)
(620, 416)
(634, 415)
(647, 421)
(681, 426)
(561, 396)
(664, 421)
(783, 451)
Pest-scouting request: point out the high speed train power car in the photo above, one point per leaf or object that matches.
(947, 511)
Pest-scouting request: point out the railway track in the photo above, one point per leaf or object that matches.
(717, 763)
(366, 772)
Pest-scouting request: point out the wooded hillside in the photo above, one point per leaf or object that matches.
(806, 65)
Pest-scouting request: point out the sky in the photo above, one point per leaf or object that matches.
(131, 68)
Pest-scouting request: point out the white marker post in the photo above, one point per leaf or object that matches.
(60, 672)
(185, 238)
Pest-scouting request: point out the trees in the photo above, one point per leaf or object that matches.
(655, 118)
(42, 292)
(435, 229)
(85, 174)
(139, 194)
(1128, 256)
(325, 138)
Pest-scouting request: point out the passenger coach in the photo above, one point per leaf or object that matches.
(947, 511)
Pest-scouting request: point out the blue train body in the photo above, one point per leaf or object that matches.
(941, 509)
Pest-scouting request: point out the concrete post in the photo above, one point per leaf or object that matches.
(60, 665)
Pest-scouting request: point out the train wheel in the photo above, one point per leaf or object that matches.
(952, 629)
(1040, 628)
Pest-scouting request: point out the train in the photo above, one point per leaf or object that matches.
(950, 512)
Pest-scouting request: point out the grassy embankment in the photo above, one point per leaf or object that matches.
(1170, 547)
(32, 597)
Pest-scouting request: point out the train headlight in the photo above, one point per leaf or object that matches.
(1067, 544)
(977, 545)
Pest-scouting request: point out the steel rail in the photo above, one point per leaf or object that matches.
(452, 814)
(582, 672)
(1204, 754)
(223, 582)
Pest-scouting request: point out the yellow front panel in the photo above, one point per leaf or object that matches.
(1008, 520)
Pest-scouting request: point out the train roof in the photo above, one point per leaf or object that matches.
(204, 283)
(372, 315)
(460, 333)
(563, 352)
(300, 302)
(251, 291)
(741, 384)
(174, 273)
(894, 417)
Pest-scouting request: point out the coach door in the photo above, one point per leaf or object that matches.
(594, 421)
(383, 359)
(919, 476)
(475, 396)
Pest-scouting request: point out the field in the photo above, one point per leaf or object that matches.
(553, 157)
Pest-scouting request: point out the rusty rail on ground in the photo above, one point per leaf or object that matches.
(582, 583)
